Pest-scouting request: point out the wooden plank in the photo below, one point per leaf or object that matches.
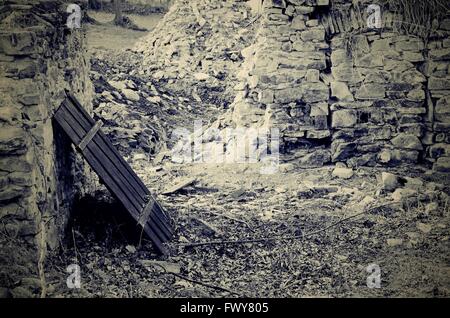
(86, 121)
(101, 157)
(69, 126)
(110, 145)
(116, 174)
(99, 145)
(164, 231)
(91, 133)
(103, 142)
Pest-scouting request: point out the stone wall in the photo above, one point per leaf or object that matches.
(342, 92)
(39, 171)
(282, 83)
(437, 71)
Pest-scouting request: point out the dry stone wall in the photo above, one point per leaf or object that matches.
(39, 172)
(342, 92)
(437, 71)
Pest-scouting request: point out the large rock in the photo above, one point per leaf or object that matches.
(341, 151)
(400, 194)
(315, 92)
(342, 173)
(315, 159)
(130, 94)
(442, 164)
(344, 118)
(389, 181)
(13, 140)
(340, 91)
(407, 141)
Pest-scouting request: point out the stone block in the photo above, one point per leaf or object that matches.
(435, 83)
(407, 141)
(19, 43)
(344, 118)
(266, 97)
(317, 158)
(288, 95)
(341, 91)
(298, 23)
(439, 55)
(315, 92)
(318, 134)
(341, 151)
(442, 165)
(439, 150)
(413, 57)
(370, 91)
(312, 75)
(13, 141)
(319, 109)
(410, 45)
(312, 34)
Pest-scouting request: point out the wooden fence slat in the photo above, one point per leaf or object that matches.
(160, 218)
(113, 185)
(104, 144)
(115, 172)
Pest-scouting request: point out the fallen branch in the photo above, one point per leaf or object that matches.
(294, 237)
(206, 284)
(231, 218)
(199, 282)
(252, 21)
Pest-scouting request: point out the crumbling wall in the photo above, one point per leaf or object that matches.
(341, 91)
(195, 49)
(40, 58)
(282, 82)
(377, 91)
(437, 70)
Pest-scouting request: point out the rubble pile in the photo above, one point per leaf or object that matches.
(196, 48)
(128, 107)
(138, 111)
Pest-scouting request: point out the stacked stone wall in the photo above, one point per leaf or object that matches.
(39, 171)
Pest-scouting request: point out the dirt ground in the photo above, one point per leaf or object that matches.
(108, 37)
(297, 233)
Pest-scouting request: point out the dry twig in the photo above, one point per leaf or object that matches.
(274, 238)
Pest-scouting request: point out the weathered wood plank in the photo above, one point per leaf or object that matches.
(70, 126)
(106, 145)
(115, 172)
(88, 137)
